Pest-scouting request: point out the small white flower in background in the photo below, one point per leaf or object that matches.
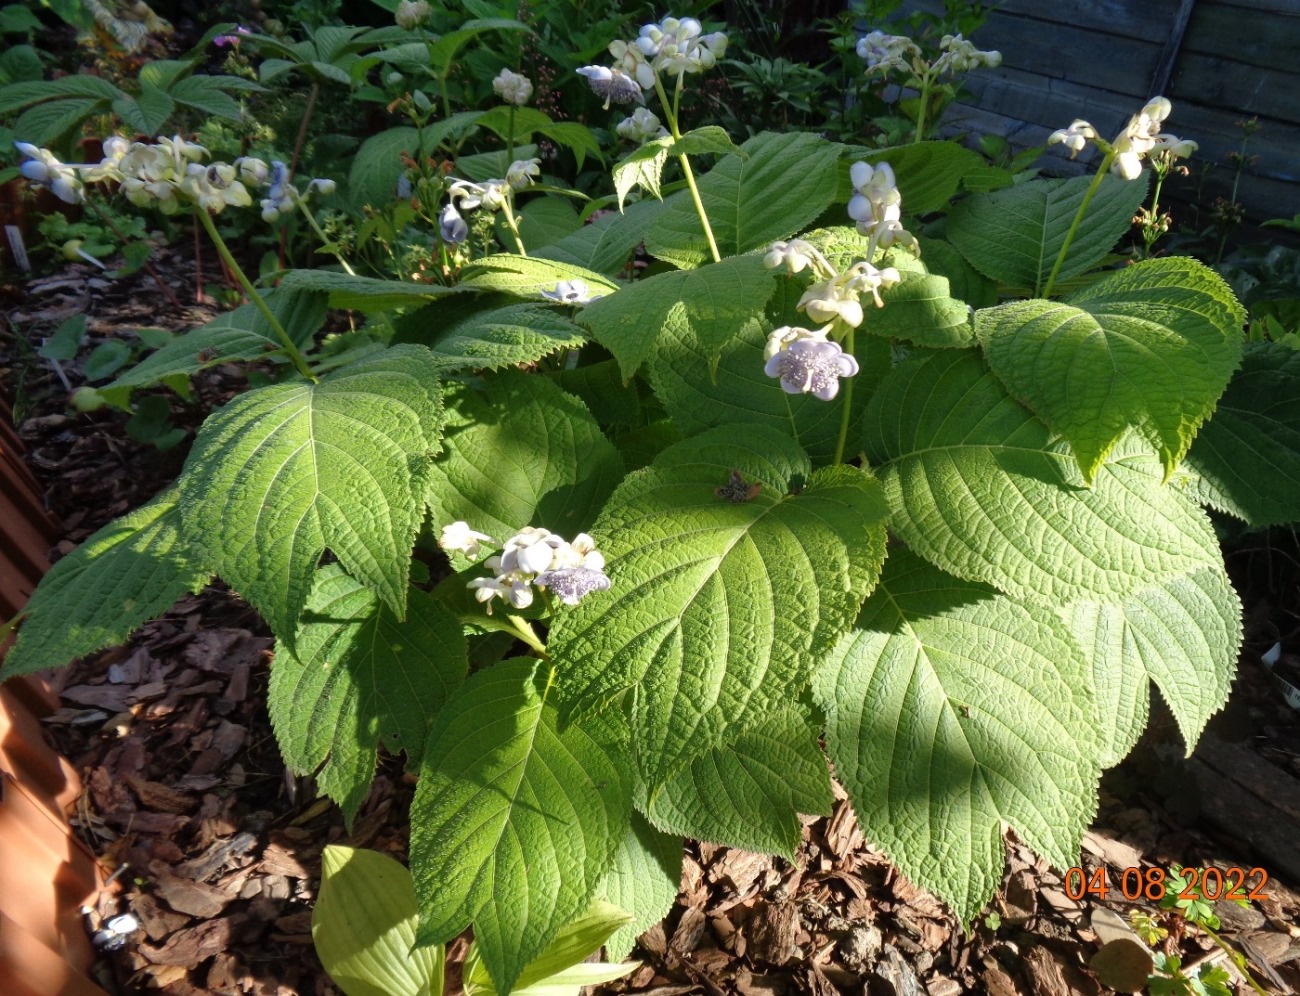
(115, 148)
(811, 366)
(882, 52)
(614, 85)
(149, 177)
(1075, 137)
(865, 277)
(571, 292)
(877, 207)
(458, 537)
(797, 256)
(44, 168)
(961, 56)
(410, 14)
(322, 185)
(629, 59)
(533, 557)
(490, 194)
(641, 126)
(182, 152)
(253, 171)
(513, 88)
(521, 173)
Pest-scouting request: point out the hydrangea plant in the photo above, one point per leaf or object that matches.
(937, 503)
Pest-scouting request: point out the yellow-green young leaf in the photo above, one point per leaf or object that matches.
(1247, 457)
(952, 711)
(749, 794)
(644, 880)
(126, 573)
(1014, 235)
(711, 306)
(363, 927)
(721, 603)
(514, 821)
(523, 453)
(785, 182)
(360, 677)
(642, 168)
(283, 472)
(1150, 347)
(505, 337)
(1182, 633)
(560, 970)
(977, 487)
(528, 276)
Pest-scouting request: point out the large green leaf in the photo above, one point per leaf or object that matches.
(16, 96)
(711, 305)
(365, 293)
(951, 712)
(778, 188)
(359, 677)
(749, 794)
(514, 822)
(1014, 235)
(928, 173)
(363, 926)
(505, 337)
(242, 334)
(719, 607)
(605, 243)
(146, 112)
(528, 276)
(286, 471)
(46, 123)
(1248, 455)
(1183, 634)
(919, 309)
(523, 453)
(978, 488)
(126, 573)
(643, 880)
(378, 164)
(1150, 347)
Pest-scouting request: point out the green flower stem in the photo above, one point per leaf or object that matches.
(529, 637)
(510, 135)
(925, 105)
(847, 416)
(311, 220)
(670, 111)
(295, 354)
(513, 225)
(1250, 979)
(1102, 170)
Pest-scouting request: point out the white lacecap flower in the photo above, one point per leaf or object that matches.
(522, 172)
(572, 584)
(679, 45)
(513, 88)
(811, 366)
(458, 537)
(616, 86)
(884, 52)
(571, 292)
(490, 194)
(1075, 137)
(630, 60)
(536, 556)
(785, 336)
(410, 14)
(641, 126)
(796, 256)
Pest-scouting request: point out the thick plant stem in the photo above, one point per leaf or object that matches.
(301, 140)
(847, 416)
(295, 354)
(112, 227)
(1046, 290)
(924, 108)
(670, 112)
(529, 637)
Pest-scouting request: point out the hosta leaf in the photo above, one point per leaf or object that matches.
(643, 880)
(749, 794)
(361, 677)
(951, 712)
(642, 168)
(1014, 235)
(522, 446)
(505, 337)
(126, 573)
(718, 607)
(242, 334)
(283, 472)
(364, 927)
(977, 488)
(711, 305)
(528, 276)
(1248, 455)
(784, 184)
(1150, 347)
(698, 397)
(1183, 634)
(364, 293)
(514, 822)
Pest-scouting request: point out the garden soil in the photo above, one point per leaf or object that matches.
(215, 848)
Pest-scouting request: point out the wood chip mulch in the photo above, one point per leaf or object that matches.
(218, 849)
